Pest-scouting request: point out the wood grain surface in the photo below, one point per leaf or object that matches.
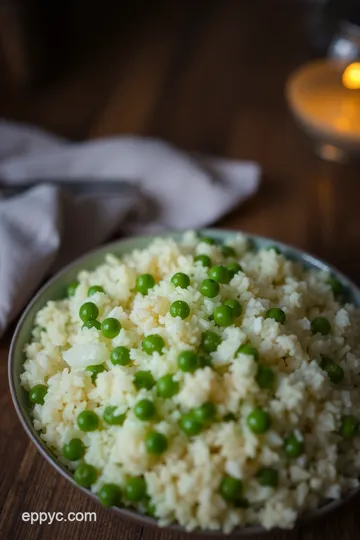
(207, 76)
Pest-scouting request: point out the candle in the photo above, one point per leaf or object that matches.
(351, 76)
(325, 98)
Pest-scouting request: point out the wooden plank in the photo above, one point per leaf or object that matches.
(208, 76)
(13, 49)
(343, 524)
(153, 534)
(136, 90)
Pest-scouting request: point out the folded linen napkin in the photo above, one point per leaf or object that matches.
(47, 226)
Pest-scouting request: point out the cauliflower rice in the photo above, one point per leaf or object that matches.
(184, 482)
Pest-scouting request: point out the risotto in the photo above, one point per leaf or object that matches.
(203, 384)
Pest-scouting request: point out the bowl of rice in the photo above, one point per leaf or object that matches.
(201, 381)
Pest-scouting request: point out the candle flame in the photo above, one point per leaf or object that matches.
(351, 76)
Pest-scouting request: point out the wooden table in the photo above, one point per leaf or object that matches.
(208, 76)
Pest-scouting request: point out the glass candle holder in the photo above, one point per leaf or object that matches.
(324, 97)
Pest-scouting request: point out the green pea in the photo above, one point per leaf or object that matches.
(120, 356)
(242, 503)
(228, 251)
(110, 495)
(223, 315)
(95, 370)
(229, 417)
(187, 361)
(258, 421)
(277, 314)
(189, 425)
(336, 286)
(320, 325)
(204, 360)
(274, 248)
(156, 443)
(247, 348)
(207, 240)
(71, 288)
(210, 341)
(334, 371)
(94, 289)
(209, 288)
(110, 327)
(135, 488)
(37, 394)
(144, 283)
(235, 306)
(85, 475)
(180, 280)
(145, 409)
(112, 417)
(234, 268)
(268, 477)
(179, 308)
(144, 379)
(166, 386)
(93, 323)
(220, 274)
(265, 377)
(153, 343)
(205, 413)
(88, 311)
(73, 450)
(203, 259)
(88, 421)
(293, 447)
(231, 489)
(150, 508)
(349, 427)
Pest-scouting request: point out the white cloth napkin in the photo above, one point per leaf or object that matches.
(45, 227)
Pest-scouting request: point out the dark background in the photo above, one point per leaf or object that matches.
(207, 76)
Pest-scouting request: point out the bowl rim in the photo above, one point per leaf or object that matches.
(127, 513)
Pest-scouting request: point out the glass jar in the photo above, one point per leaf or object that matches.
(345, 45)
